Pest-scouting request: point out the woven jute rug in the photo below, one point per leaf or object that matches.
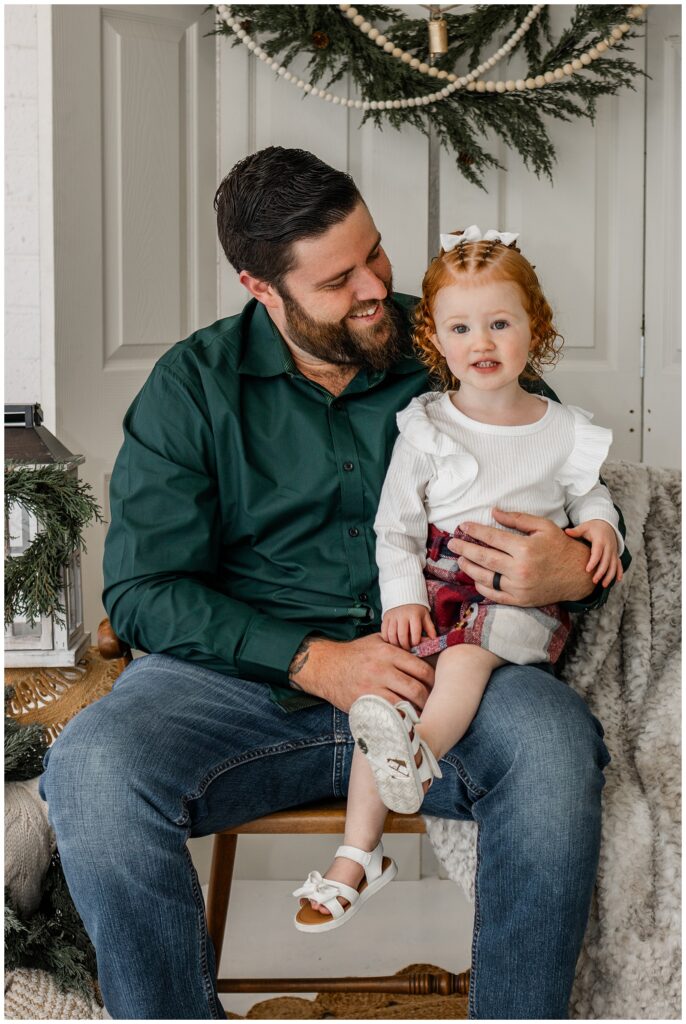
(362, 1005)
(51, 696)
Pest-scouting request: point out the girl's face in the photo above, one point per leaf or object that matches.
(483, 331)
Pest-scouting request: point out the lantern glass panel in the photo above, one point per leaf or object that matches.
(68, 591)
(21, 628)
(22, 529)
(78, 592)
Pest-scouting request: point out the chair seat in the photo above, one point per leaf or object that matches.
(322, 818)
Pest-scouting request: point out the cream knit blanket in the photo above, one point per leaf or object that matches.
(625, 662)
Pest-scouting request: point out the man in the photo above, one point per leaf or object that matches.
(241, 552)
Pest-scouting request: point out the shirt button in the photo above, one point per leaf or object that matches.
(363, 597)
(354, 532)
(337, 406)
(348, 466)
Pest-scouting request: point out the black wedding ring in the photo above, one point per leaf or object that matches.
(496, 580)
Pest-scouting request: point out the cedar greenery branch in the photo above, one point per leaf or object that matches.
(337, 48)
(63, 507)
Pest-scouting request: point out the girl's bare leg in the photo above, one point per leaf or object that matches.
(462, 674)
(364, 821)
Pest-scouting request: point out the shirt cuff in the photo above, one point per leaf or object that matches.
(268, 648)
(403, 590)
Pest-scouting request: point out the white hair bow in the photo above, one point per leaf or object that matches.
(473, 234)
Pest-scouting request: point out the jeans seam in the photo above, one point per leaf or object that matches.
(474, 789)
(342, 739)
(477, 928)
(246, 758)
(203, 937)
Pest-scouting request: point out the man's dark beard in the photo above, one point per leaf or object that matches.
(337, 343)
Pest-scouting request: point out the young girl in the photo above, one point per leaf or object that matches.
(483, 324)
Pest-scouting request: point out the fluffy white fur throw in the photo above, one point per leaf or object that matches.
(625, 662)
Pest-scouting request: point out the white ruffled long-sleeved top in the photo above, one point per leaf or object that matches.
(447, 469)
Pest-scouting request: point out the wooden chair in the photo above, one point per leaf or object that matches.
(312, 819)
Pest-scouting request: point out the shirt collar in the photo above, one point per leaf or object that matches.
(267, 355)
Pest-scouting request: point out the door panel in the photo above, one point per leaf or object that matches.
(662, 381)
(134, 177)
(583, 232)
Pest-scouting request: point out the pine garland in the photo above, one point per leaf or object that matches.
(24, 749)
(462, 120)
(53, 939)
(63, 507)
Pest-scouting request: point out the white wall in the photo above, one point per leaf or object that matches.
(22, 280)
(29, 366)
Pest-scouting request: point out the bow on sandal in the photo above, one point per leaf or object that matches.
(382, 733)
(378, 871)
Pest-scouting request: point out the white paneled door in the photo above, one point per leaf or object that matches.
(138, 149)
(134, 177)
(583, 232)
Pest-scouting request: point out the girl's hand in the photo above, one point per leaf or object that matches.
(403, 626)
(604, 562)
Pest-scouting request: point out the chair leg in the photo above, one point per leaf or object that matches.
(221, 873)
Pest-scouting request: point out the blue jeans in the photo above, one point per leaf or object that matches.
(177, 750)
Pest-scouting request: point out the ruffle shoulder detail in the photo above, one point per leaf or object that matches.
(579, 473)
(417, 428)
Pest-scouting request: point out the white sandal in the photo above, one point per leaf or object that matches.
(383, 735)
(378, 870)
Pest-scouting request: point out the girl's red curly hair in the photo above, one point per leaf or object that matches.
(482, 263)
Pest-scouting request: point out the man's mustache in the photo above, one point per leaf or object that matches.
(364, 306)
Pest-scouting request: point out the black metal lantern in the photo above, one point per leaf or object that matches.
(47, 641)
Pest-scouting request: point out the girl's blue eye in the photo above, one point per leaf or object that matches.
(504, 323)
(458, 328)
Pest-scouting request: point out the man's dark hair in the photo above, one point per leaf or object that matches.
(274, 198)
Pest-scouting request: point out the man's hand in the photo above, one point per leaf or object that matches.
(542, 567)
(404, 625)
(342, 671)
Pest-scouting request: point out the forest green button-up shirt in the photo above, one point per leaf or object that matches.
(243, 501)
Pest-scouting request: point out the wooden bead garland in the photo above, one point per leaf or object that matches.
(455, 83)
(424, 69)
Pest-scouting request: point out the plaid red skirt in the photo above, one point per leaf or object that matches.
(461, 615)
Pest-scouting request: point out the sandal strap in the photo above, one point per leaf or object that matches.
(326, 891)
(346, 891)
(409, 719)
(371, 861)
(408, 710)
(429, 768)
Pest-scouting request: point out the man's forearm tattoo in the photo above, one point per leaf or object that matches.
(299, 661)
